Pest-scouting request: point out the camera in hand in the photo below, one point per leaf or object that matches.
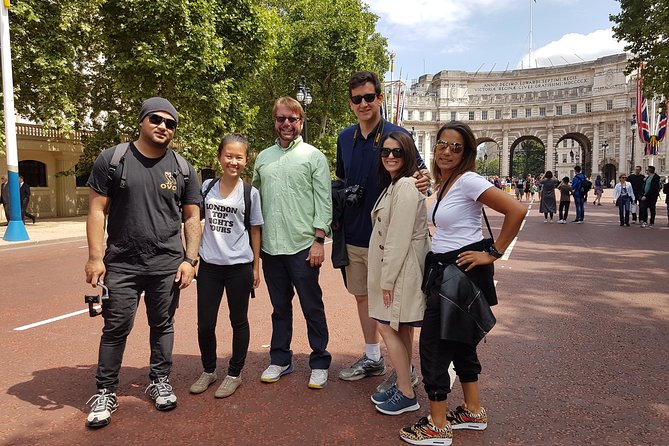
(354, 195)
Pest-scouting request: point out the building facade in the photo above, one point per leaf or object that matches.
(43, 154)
(582, 114)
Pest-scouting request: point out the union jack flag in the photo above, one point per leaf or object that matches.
(642, 112)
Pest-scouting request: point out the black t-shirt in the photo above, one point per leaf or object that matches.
(144, 221)
(637, 184)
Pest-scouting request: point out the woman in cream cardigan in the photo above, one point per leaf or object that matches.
(397, 250)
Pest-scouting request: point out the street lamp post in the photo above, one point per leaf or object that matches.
(604, 146)
(634, 128)
(485, 165)
(499, 161)
(303, 96)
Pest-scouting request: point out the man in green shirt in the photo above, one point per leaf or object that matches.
(293, 178)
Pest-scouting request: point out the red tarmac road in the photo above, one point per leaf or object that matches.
(579, 354)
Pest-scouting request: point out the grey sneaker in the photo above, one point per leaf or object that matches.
(161, 393)
(274, 372)
(318, 379)
(228, 386)
(362, 368)
(103, 404)
(392, 381)
(203, 382)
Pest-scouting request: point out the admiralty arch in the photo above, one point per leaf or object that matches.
(582, 114)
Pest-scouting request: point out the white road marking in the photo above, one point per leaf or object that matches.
(48, 321)
(507, 253)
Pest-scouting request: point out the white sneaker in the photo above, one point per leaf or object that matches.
(545, 220)
(319, 379)
(274, 372)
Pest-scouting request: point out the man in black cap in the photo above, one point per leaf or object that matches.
(146, 194)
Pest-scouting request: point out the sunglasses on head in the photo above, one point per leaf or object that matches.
(397, 153)
(369, 98)
(170, 124)
(291, 119)
(455, 147)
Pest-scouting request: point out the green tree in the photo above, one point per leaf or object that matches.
(325, 41)
(644, 25)
(528, 159)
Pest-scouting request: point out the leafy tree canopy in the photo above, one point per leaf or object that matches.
(644, 25)
(89, 64)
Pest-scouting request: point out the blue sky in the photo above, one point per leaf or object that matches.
(433, 35)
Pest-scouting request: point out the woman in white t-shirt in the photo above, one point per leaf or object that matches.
(458, 239)
(227, 262)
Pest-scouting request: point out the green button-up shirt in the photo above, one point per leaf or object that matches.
(296, 197)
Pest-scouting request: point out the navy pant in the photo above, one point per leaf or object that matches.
(580, 208)
(624, 210)
(284, 274)
(161, 297)
(237, 281)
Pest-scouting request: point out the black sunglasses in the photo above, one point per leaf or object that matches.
(397, 153)
(291, 119)
(170, 124)
(369, 98)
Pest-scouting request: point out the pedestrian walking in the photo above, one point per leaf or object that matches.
(547, 204)
(599, 190)
(148, 190)
(580, 192)
(648, 200)
(398, 245)
(24, 194)
(4, 196)
(293, 178)
(636, 180)
(458, 239)
(665, 191)
(229, 262)
(623, 196)
(565, 199)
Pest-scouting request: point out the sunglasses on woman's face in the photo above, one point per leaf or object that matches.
(455, 147)
(397, 153)
(170, 124)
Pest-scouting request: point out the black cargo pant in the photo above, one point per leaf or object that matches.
(161, 297)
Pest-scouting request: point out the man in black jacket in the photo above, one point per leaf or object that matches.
(636, 180)
(650, 193)
(24, 194)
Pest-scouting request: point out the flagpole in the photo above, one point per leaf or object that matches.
(529, 57)
(16, 230)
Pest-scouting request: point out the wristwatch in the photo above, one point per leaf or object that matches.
(320, 240)
(193, 262)
(494, 252)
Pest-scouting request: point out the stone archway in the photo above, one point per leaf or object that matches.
(492, 152)
(585, 148)
(535, 160)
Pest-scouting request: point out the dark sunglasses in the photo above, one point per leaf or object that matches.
(369, 98)
(282, 119)
(397, 153)
(455, 147)
(170, 124)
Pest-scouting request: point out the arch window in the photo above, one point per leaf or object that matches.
(33, 173)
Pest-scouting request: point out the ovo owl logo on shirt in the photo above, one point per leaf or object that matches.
(170, 182)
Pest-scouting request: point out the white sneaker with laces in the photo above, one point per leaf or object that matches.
(274, 372)
(319, 379)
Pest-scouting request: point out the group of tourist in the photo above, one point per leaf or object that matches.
(633, 194)
(141, 192)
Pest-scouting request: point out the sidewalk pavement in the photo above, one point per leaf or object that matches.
(49, 231)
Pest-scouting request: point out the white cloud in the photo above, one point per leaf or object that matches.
(571, 48)
(430, 12)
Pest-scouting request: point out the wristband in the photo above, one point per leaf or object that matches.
(320, 240)
(494, 252)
